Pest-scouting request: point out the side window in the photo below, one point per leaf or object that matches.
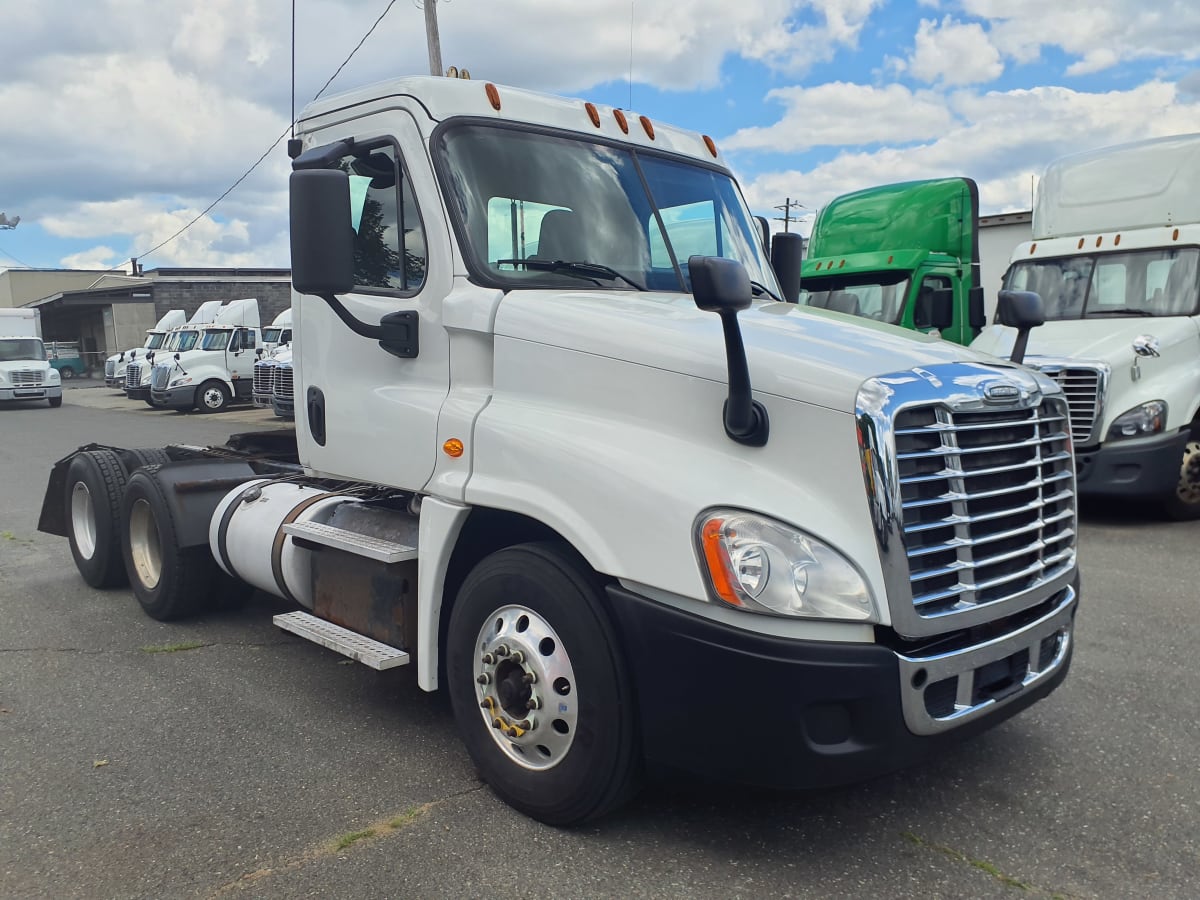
(389, 245)
(237, 342)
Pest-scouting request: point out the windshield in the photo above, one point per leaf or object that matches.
(215, 340)
(873, 295)
(1138, 283)
(155, 341)
(271, 335)
(527, 202)
(13, 349)
(180, 341)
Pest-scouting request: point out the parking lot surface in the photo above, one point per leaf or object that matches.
(221, 757)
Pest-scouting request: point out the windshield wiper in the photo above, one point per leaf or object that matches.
(1119, 312)
(759, 289)
(590, 271)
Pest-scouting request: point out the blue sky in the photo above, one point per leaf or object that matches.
(123, 119)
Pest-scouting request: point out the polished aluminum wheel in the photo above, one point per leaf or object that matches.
(83, 520)
(144, 546)
(1188, 488)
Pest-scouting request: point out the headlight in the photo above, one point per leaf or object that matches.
(52, 374)
(764, 566)
(180, 382)
(3, 378)
(1149, 418)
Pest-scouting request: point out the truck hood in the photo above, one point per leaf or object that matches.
(1104, 340)
(24, 365)
(796, 352)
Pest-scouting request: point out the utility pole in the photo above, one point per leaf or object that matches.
(432, 38)
(788, 205)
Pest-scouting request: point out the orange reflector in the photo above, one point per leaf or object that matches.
(1099, 240)
(593, 113)
(719, 567)
(1175, 235)
(453, 448)
(818, 267)
(493, 96)
(712, 148)
(1079, 246)
(1117, 241)
(621, 120)
(647, 127)
(1033, 247)
(842, 264)
(890, 258)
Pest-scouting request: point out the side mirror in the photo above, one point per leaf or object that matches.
(787, 256)
(722, 286)
(322, 235)
(934, 308)
(1024, 311)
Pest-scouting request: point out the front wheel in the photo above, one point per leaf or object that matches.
(540, 692)
(55, 402)
(1184, 504)
(212, 396)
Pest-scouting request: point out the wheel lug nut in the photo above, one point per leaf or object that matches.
(525, 724)
(485, 678)
(528, 678)
(488, 659)
(502, 650)
(518, 657)
(534, 703)
(496, 723)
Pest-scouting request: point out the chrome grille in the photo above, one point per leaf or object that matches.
(110, 368)
(133, 376)
(264, 378)
(283, 382)
(1085, 392)
(26, 378)
(987, 502)
(159, 377)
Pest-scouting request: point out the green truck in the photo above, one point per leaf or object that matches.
(926, 277)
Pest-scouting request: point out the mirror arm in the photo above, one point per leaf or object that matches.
(745, 418)
(359, 327)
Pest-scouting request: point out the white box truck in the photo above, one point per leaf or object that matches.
(629, 510)
(1115, 257)
(25, 372)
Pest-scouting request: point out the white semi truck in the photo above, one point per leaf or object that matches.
(179, 340)
(25, 371)
(626, 508)
(218, 369)
(1115, 257)
(115, 365)
(279, 332)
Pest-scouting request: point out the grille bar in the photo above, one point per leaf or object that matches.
(1084, 388)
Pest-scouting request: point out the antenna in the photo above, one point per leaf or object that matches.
(631, 5)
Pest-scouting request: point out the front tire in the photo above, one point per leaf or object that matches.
(95, 485)
(55, 402)
(540, 692)
(1184, 503)
(169, 582)
(212, 396)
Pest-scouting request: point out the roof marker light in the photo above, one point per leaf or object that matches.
(647, 126)
(1033, 246)
(1099, 240)
(621, 120)
(712, 148)
(1079, 246)
(593, 113)
(1117, 241)
(1175, 235)
(493, 96)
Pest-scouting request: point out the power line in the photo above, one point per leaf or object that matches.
(14, 259)
(274, 144)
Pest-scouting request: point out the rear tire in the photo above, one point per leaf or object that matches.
(169, 582)
(95, 485)
(536, 610)
(67, 373)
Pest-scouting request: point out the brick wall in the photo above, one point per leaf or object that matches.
(273, 296)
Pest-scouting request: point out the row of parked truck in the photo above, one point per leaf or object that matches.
(218, 356)
(561, 447)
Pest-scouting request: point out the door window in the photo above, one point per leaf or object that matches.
(389, 239)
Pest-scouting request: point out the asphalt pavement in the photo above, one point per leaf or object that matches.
(222, 757)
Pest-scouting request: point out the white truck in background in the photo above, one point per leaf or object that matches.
(218, 369)
(25, 372)
(1115, 257)
(115, 365)
(279, 332)
(273, 382)
(180, 339)
(627, 508)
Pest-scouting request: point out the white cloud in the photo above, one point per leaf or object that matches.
(1099, 34)
(846, 114)
(1001, 139)
(953, 53)
(100, 257)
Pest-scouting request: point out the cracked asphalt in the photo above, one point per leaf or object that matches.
(256, 764)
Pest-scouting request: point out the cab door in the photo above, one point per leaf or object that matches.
(362, 411)
(240, 359)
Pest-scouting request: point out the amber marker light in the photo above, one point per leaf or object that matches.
(1175, 235)
(1117, 241)
(712, 148)
(647, 126)
(593, 113)
(621, 120)
(717, 560)
(453, 448)
(493, 96)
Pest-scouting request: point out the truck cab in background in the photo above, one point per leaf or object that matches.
(906, 254)
(218, 369)
(25, 371)
(180, 339)
(1115, 257)
(278, 333)
(114, 366)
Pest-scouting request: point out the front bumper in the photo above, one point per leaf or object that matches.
(32, 392)
(742, 707)
(1147, 467)
(175, 398)
(138, 393)
(285, 409)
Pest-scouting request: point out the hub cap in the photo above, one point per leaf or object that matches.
(525, 686)
(213, 398)
(143, 544)
(83, 520)
(1189, 474)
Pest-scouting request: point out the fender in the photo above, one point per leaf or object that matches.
(438, 530)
